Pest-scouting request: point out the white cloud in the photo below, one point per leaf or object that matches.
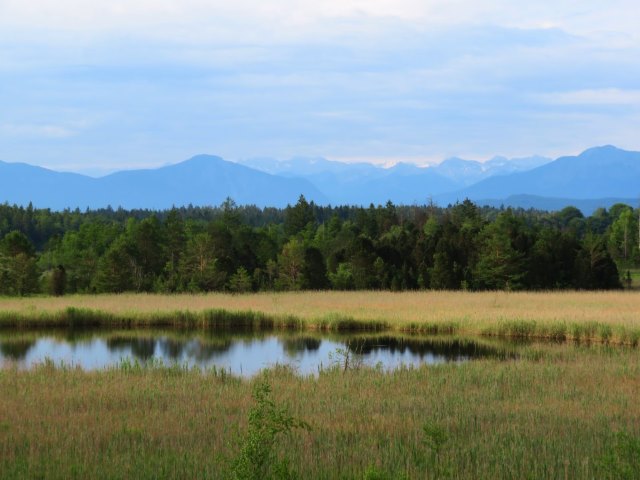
(36, 131)
(277, 20)
(377, 79)
(605, 96)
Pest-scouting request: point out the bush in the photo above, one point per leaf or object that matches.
(258, 458)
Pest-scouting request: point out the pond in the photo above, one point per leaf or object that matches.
(242, 354)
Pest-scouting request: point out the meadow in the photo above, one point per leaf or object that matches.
(589, 316)
(567, 413)
(560, 410)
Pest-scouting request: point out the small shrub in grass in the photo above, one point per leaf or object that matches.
(348, 358)
(258, 458)
(434, 438)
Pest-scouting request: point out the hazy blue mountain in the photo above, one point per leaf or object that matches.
(364, 183)
(21, 183)
(361, 183)
(599, 172)
(308, 166)
(208, 180)
(202, 180)
(468, 172)
(598, 177)
(463, 172)
(403, 183)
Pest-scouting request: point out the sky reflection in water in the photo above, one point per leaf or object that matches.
(240, 355)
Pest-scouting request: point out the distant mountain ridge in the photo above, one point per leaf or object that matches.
(599, 172)
(459, 171)
(599, 176)
(468, 172)
(364, 183)
(201, 180)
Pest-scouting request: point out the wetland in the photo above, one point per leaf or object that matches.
(387, 386)
(239, 353)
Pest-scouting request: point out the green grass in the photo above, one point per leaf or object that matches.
(220, 319)
(562, 413)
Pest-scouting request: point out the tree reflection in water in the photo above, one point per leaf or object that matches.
(244, 353)
(16, 349)
(448, 349)
(141, 348)
(297, 345)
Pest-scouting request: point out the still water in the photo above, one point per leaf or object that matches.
(240, 354)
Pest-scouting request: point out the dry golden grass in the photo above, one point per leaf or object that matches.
(472, 313)
(404, 307)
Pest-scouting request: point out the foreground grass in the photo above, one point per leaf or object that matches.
(572, 413)
(593, 316)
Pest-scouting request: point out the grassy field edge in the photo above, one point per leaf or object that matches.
(223, 319)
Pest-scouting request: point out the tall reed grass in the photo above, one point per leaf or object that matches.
(583, 316)
(571, 413)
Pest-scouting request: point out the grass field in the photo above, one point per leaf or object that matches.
(595, 316)
(559, 411)
(572, 413)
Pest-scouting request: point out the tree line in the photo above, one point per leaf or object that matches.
(306, 246)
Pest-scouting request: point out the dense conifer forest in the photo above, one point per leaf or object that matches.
(306, 246)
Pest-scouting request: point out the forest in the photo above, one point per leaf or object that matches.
(310, 247)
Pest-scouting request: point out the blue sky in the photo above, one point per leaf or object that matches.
(103, 85)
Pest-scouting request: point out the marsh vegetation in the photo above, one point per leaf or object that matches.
(560, 402)
(584, 316)
(561, 412)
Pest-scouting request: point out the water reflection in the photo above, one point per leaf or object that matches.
(243, 354)
(294, 346)
(140, 348)
(449, 350)
(16, 350)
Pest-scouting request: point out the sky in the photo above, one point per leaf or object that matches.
(96, 86)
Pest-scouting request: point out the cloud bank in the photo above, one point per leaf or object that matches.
(115, 84)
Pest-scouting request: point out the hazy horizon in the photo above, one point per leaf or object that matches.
(97, 172)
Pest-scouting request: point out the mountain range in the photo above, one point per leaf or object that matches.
(364, 183)
(598, 177)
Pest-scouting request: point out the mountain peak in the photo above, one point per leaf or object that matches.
(203, 158)
(404, 167)
(602, 150)
(457, 161)
(605, 155)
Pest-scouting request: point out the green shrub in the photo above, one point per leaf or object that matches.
(258, 458)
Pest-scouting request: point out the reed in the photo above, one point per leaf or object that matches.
(583, 316)
(569, 413)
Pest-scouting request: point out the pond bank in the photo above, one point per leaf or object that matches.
(223, 319)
